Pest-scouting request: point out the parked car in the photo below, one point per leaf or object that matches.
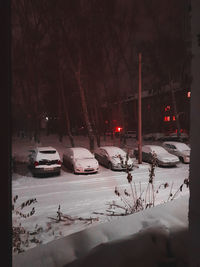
(44, 160)
(164, 158)
(80, 160)
(174, 137)
(113, 158)
(153, 136)
(179, 149)
(130, 134)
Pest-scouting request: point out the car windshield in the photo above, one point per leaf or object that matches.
(182, 147)
(83, 154)
(47, 151)
(158, 150)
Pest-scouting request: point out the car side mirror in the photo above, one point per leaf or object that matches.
(71, 157)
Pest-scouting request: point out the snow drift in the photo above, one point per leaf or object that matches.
(154, 237)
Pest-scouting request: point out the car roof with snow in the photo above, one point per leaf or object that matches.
(179, 145)
(157, 149)
(80, 152)
(45, 148)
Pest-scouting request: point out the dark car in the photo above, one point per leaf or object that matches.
(113, 158)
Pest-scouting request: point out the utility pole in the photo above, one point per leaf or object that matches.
(175, 110)
(140, 111)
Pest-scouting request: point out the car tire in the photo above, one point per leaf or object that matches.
(73, 170)
(110, 166)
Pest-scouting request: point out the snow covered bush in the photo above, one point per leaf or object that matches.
(20, 236)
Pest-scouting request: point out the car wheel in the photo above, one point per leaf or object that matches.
(110, 166)
(73, 170)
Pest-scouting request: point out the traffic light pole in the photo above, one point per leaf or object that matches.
(140, 111)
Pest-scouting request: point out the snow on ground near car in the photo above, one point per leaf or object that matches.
(154, 237)
(82, 195)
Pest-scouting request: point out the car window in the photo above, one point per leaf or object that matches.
(47, 151)
(102, 152)
(167, 145)
(146, 149)
(173, 147)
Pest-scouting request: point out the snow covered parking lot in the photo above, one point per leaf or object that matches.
(82, 195)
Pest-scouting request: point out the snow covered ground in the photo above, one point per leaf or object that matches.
(81, 195)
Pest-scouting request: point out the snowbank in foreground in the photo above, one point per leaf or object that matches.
(148, 238)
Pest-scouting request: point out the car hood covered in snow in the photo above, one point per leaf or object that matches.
(167, 157)
(117, 160)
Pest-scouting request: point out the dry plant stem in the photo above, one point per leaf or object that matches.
(126, 203)
(132, 193)
(141, 190)
(170, 193)
(153, 195)
(145, 199)
(175, 194)
(135, 190)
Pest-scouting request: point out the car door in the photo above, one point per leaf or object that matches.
(104, 157)
(98, 156)
(146, 155)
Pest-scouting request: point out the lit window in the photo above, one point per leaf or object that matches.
(189, 94)
(167, 118)
(174, 118)
(167, 108)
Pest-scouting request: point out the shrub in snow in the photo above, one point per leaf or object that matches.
(20, 236)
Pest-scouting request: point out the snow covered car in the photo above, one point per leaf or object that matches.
(80, 160)
(164, 158)
(44, 160)
(109, 156)
(179, 149)
(153, 136)
(130, 134)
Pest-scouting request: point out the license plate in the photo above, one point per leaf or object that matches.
(48, 169)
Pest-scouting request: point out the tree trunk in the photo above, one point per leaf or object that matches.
(175, 110)
(66, 111)
(85, 111)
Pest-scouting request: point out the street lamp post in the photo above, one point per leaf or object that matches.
(140, 111)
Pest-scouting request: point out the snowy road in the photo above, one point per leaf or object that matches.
(83, 194)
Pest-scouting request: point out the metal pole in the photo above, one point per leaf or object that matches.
(140, 112)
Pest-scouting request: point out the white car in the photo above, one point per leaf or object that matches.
(80, 160)
(109, 156)
(179, 149)
(44, 160)
(164, 158)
